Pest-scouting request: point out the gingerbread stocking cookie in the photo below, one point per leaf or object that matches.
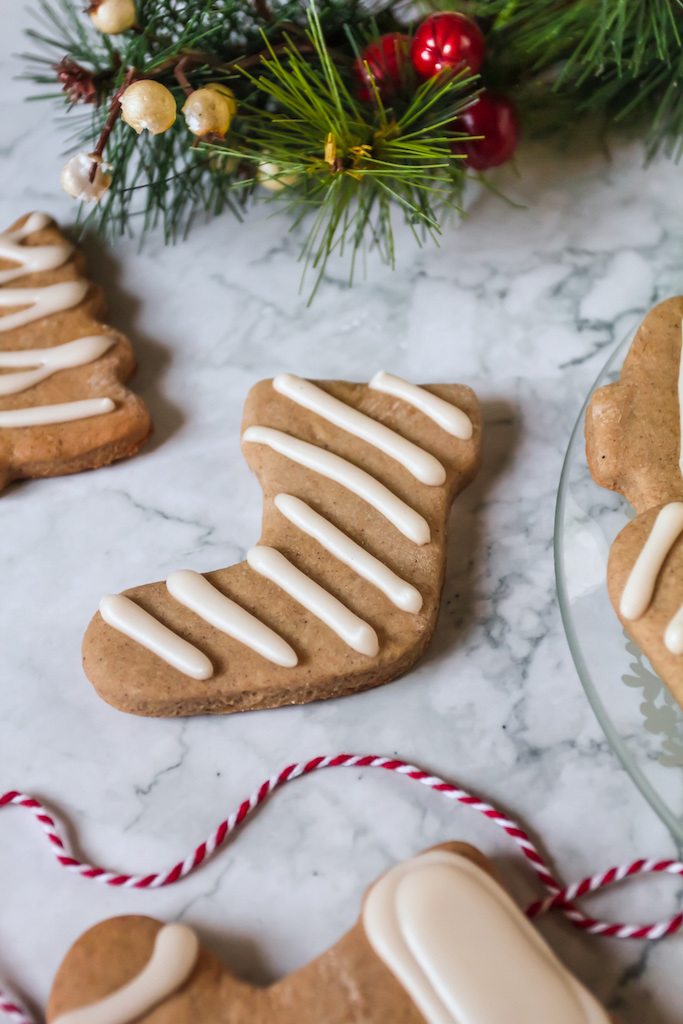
(342, 591)
(63, 406)
(439, 941)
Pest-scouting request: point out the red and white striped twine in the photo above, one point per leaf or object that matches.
(559, 897)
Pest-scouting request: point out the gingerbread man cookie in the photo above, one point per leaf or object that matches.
(634, 442)
(341, 593)
(633, 427)
(439, 941)
(63, 406)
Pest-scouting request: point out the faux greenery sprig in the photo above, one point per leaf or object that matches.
(350, 163)
(297, 121)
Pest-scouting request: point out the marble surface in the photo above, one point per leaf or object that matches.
(522, 304)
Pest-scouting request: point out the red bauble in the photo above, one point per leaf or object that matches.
(494, 117)
(448, 40)
(387, 59)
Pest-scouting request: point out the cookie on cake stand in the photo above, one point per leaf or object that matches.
(634, 445)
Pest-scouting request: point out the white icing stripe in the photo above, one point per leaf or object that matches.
(356, 633)
(41, 415)
(201, 597)
(173, 959)
(464, 951)
(411, 524)
(421, 464)
(673, 637)
(41, 302)
(334, 540)
(48, 361)
(32, 258)
(453, 420)
(680, 403)
(35, 221)
(122, 614)
(637, 593)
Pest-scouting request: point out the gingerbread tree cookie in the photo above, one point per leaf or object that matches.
(63, 405)
(439, 941)
(341, 593)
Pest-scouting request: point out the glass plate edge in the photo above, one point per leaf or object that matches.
(601, 713)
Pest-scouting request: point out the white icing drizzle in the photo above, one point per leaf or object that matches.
(411, 524)
(35, 221)
(173, 959)
(201, 597)
(32, 258)
(48, 361)
(453, 420)
(63, 412)
(680, 403)
(122, 614)
(355, 633)
(464, 951)
(334, 540)
(40, 302)
(423, 466)
(637, 593)
(673, 636)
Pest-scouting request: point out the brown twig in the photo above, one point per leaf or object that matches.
(262, 10)
(181, 77)
(114, 111)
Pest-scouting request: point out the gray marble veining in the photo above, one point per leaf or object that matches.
(522, 304)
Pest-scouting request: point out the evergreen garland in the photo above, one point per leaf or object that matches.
(293, 70)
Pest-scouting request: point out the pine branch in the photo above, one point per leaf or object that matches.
(619, 60)
(350, 159)
(347, 164)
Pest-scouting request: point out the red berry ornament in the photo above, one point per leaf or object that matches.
(448, 40)
(495, 118)
(387, 60)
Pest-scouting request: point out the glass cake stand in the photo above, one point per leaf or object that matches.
(640, 718)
